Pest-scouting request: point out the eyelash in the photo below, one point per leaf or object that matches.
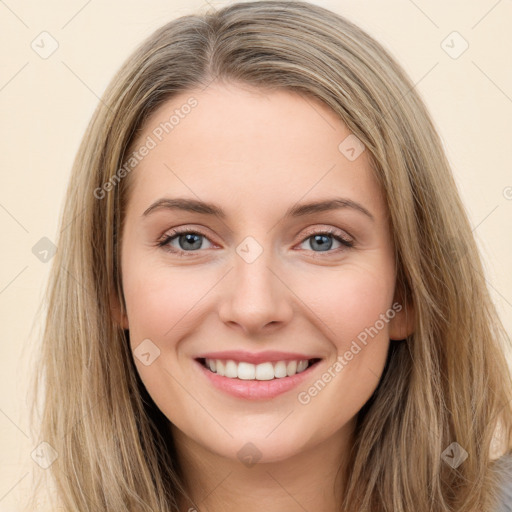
(168, 237)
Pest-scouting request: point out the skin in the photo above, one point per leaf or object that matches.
(256, 153)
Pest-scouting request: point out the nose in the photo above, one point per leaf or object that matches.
(255, 298)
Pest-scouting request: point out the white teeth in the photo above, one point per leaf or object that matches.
(280, 369)
(231, 370)
(302, 366)
(291, 368)
(246, 371)
(262, 371)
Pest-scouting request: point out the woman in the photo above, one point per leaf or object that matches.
(263, 367)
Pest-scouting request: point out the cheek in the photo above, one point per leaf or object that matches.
(162, 306)
(351, 314)
(349, 300)
(158, 299)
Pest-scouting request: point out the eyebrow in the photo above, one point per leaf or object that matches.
(298, 210)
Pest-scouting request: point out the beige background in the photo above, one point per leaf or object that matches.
(46, 104)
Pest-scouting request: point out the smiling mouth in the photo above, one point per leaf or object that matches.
(242, 370)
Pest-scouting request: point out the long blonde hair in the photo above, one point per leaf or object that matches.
(448, 382)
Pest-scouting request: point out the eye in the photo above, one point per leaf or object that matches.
(323, 241)
(188, 240)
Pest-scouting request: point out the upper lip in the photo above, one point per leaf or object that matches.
(256, 357)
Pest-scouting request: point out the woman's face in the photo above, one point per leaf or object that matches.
(265, 281)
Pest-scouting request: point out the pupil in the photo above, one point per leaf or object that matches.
(323, 245)
(189, 239)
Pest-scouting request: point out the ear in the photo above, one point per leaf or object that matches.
(402, 324)
(120, 318)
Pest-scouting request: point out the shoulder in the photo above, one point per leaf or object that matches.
(505, 464)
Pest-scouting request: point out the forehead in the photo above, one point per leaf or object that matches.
(239, 143)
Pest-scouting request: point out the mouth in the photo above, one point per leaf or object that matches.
(262, 381)
(265, 371)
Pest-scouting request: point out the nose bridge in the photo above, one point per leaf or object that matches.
(255, 297)
(253, 276)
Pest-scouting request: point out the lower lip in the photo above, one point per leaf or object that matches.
(256, 389)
